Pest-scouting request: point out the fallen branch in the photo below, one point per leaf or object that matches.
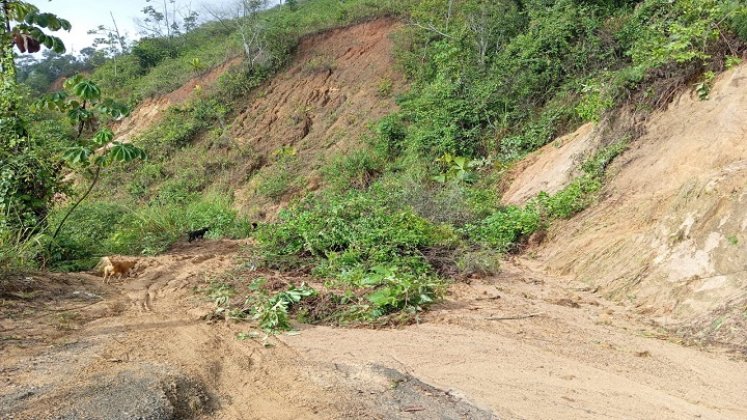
(39, 308)
(431, 28)
(508, 318)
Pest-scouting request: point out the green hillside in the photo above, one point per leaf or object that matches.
(414, 206)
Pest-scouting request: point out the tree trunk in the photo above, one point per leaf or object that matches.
(77, 203)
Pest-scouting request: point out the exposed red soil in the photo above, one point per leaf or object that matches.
(328, 95)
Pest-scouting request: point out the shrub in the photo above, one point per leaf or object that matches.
(101, 228)
(150, 52)
(571, 199)
(483, 262)
(581, 191)
(181, 125)
(506, 227)
(391, 131)
(454, 202)
(385, 87)
(19, 252)
(84, 239)
(357, 169)
(239, 81)
(152, 229)
(277, 181)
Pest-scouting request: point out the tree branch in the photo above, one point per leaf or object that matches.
(431, 28)
(77, 203)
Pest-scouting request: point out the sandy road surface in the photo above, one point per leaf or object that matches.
(515, 346)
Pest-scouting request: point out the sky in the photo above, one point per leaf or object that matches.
(85, 15)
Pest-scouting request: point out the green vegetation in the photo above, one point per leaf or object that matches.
(357, 242)
(105, 228)
(490, 81)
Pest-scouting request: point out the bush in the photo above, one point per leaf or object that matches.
(239, 81)
(85, 236)
(181, 125)
(152, 229)
(97, 229)
(150, 52)
(391, 132)
(277, 182)
(361, 243)
(357, 169)
(455, 203)
(506, 227)
(19, 252)
(571, 199)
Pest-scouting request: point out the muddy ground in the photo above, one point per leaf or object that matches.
(514, 346)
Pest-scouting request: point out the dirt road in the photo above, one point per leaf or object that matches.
(515, 346)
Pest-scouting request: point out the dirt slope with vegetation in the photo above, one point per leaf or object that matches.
(495, 209)
(151, 110)
(668, 234)
(339, 81)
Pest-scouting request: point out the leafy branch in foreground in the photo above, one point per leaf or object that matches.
(23, 26)
(28, 176)
(83, 104)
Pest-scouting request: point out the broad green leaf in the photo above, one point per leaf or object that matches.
(125, 152)
(382, 297)
(103, 137)
(113, 109)
(77, 155)
(87, 90)
(72, 81)
(79, 115)
(19, 10)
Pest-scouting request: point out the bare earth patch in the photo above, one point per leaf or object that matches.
(520, 345)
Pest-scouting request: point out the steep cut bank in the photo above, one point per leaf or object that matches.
(340, 81)
(336, 85)
(670, 232)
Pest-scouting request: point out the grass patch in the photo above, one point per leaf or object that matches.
(97, 229)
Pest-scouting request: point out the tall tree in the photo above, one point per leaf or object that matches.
(164, 18)
(243, 16)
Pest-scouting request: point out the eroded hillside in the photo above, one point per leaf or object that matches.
(340, 82)
(668, 234)
(278, 137)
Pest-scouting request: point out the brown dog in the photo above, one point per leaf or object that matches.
(112, 267)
